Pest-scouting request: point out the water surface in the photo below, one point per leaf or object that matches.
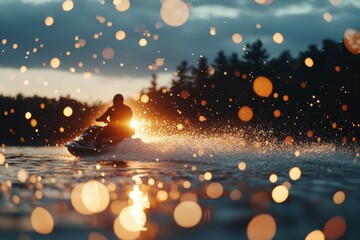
(166, 171)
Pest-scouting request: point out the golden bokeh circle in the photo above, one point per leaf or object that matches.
(42, 221)
(67, 111)
(261, 227)
(67, 5)
(187, 214)
(280, 194)
(174, 12)
(214, 190)
(315, 235)
(262, 86)
(295, 173)
(122, 233)
(245, 114)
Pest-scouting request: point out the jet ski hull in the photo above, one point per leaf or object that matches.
(83, 145)
(82, 151)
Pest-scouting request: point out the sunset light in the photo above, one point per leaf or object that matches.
(179, 119)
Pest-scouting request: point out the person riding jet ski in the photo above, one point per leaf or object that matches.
(118, 118)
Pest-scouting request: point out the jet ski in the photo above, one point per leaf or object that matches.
(84, 144)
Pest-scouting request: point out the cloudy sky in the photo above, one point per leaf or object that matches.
(96, 62)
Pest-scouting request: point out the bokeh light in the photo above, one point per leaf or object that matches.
(132, 218)
(49, 21)
(327, 17)
(23, 69)
(237, 38)
(67, 111)
(352, 40)
(242, 166)
(144, 98)
(214, 190)
(309, 62)
(315, 235)
(22, 175)
(295, 173)
(335, 228)
(263, 2)
(245, 114)
(277, 113)
(67, 5)
(174, 12)
(159, 62)
(212, 31)
(187, 214)
(120, 35)
(143, 42)
(42, 221)
(122, 5)
(339, 197)
(162, 195)
(33, 122)
(55, 62)
(278, 38)
(208, 176)
(280, 194)
(261, 227)
(108, 53)
(263, 86)
(273, 178)
(76, 200)
(28, 115)
(287, 184)
(344, 107)
(95, 196)
(310, 134)
(122, 233)
(235, 195)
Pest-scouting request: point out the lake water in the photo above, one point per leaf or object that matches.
(182, 188)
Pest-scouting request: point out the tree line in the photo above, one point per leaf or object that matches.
(43, 121)
(312, 96)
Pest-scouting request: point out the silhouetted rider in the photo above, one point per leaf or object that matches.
(118, 117)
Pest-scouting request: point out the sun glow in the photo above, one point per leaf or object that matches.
(134, 124)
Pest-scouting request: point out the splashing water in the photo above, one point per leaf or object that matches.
(227, 150)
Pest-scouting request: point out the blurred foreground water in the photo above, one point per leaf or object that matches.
(162, 189)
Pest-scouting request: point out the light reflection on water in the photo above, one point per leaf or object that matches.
(225, 203)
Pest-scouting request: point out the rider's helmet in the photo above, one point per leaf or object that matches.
(118, 99)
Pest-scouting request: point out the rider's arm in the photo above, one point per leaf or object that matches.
(103, 118)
